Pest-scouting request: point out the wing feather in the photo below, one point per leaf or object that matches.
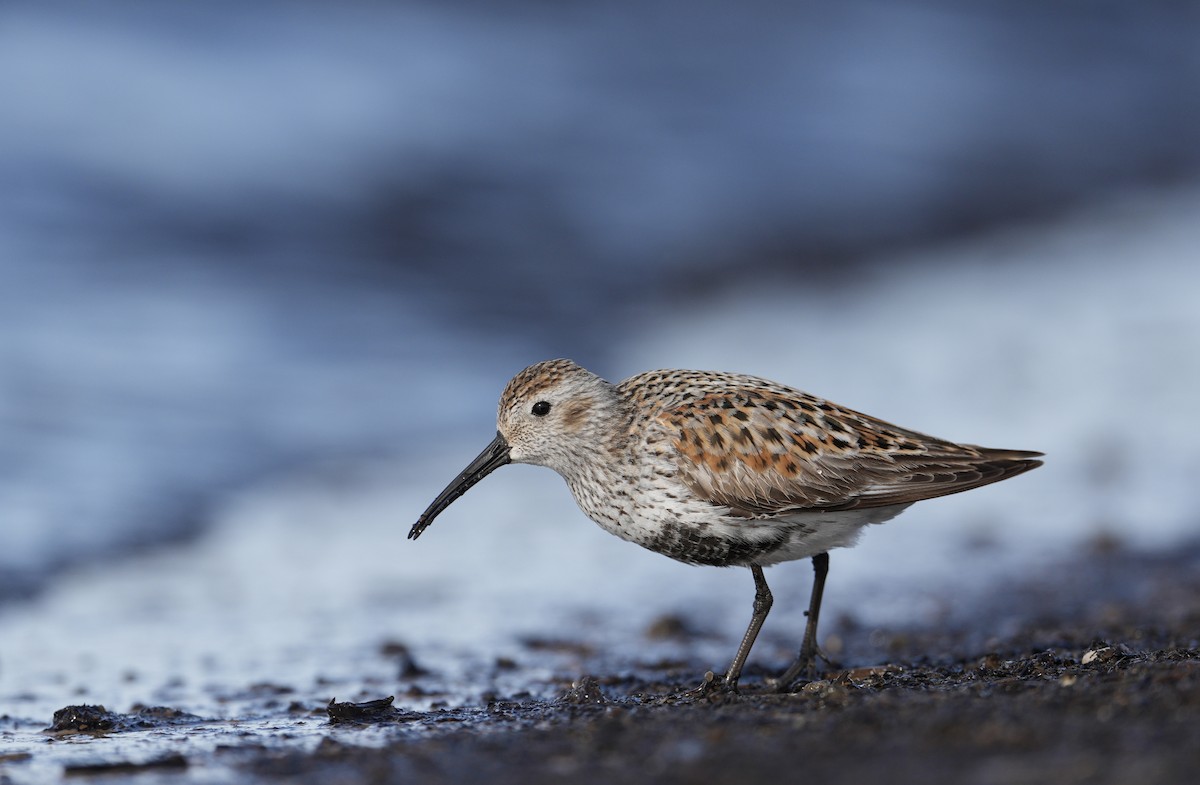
(764, 450)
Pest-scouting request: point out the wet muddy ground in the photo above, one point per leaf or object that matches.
(1089, 673)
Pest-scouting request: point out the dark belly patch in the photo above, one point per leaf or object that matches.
(692, 545)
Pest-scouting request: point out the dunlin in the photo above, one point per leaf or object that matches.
(724, 469)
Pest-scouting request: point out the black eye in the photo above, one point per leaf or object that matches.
(541, 408)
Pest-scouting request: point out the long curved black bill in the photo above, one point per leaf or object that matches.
(493, 457)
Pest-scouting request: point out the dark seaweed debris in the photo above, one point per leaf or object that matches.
(99, 720)
(380, 710)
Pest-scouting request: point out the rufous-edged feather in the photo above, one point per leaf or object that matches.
(763, 450)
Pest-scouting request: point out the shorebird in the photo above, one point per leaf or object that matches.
(724, 469)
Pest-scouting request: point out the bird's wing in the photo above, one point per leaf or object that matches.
(764, 452)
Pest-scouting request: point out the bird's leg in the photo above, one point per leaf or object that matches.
(762, 606)
(806, 662)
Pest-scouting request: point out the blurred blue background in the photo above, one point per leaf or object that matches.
(245, 242)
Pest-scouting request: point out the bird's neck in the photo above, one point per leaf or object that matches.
(598, 450)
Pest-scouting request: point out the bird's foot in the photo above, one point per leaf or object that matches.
(712, 686)
(803, 671)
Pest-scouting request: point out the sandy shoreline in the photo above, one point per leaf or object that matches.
(1096, 678)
